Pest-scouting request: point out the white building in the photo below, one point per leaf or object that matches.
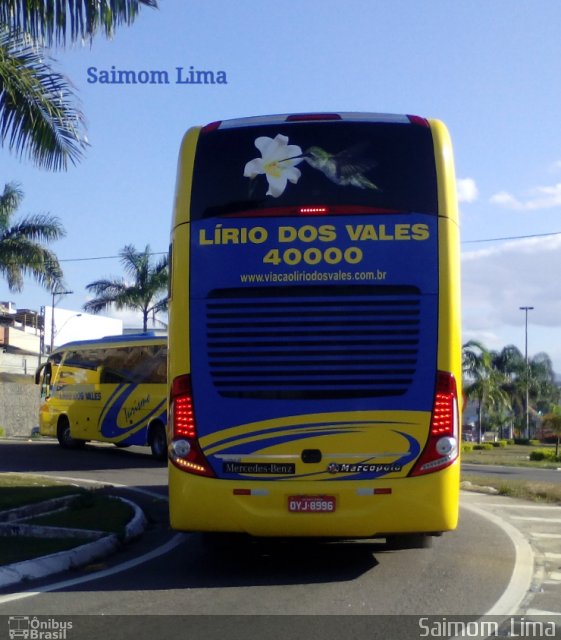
(25, 336)
(68, 325)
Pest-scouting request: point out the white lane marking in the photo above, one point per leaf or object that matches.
(536, 519)
(178, 539)
(543, 507)
(542, 612)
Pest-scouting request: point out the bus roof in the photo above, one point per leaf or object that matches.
(315, 117)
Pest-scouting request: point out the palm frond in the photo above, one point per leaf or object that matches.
(112, 293)
(159, 306)
(106, 287)
(69, 20)
(37, 113)
(21, 245)
(37, 227)
(20, 257)
(133, 261)
(162, 265)
(146, 281)
(10, 200)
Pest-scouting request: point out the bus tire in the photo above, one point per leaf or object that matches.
(65, 440)
(409, 541)
(158, 442)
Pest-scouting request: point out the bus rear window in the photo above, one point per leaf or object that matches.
(388, 167)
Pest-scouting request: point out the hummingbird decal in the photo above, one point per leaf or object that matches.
(345, 168)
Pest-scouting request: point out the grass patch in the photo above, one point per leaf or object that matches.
(91, 511)
(22, 548)
(515, 455)
(525, 490)
(17, 490)
(534, 455)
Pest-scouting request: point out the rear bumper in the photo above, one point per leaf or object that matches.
(423, 504)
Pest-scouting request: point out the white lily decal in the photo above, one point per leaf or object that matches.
(278, 162)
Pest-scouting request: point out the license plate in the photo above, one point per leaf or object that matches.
(311, 504)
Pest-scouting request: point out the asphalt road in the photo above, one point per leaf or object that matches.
(465, 573)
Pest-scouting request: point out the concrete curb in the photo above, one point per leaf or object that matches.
(135, 528)
(76, 557)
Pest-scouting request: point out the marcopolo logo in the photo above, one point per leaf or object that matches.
(34, 628)
(364, 467)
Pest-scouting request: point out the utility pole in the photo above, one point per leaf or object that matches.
(55, 292)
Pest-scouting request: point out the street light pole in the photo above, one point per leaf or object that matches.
(526, 309)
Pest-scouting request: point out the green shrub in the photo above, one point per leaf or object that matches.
(484, 446)
(538, 455)
(500, 443)
(467, 447)
(544, 454)
(535, 443)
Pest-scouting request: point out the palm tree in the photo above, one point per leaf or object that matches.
(21, 244)
(37, 116)
(142, 294)
(483, 382)
(537, 376)
(511, 363)
(543, 389)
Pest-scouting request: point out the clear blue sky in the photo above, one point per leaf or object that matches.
(490, 70)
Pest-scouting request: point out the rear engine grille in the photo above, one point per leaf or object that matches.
(313, 342)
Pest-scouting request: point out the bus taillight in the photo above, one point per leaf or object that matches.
(442, 445)
(182, 403)
(310, 117)
(185, 452)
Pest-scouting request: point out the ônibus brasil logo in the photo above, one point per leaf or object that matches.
(33, 628)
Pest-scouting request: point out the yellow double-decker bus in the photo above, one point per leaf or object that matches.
(314, 339)
(108, 390)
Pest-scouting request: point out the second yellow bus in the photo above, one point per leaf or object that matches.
(107, 390)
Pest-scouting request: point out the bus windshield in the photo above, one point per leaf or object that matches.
(377, 165)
